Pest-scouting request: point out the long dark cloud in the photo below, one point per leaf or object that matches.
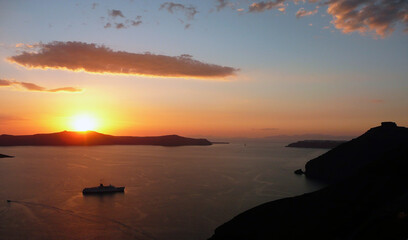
(89, 57)
(189, 11)
(34, 87)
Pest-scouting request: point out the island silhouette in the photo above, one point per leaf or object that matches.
(367, 197)
(326, 144)
(91, 138)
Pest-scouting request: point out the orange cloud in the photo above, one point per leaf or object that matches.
(303, 13)
(34, 87)
(379, 16)
(266, 5)
(376, 16)
(80, 56)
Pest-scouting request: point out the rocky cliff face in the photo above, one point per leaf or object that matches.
(346, 159)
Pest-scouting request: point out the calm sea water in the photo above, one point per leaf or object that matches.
(171, 192)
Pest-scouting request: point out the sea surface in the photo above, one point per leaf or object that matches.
(180, 193)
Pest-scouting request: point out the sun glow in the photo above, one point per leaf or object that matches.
(84, 123)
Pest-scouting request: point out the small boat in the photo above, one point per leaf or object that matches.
(103, 189)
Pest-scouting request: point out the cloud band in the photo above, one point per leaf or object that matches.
(34, 87)
(89, 57)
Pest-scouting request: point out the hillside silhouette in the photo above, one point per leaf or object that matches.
(90, 138)
(326, 144)
(346, 159)
(371, 203)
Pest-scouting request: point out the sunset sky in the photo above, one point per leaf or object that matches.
(205, 67)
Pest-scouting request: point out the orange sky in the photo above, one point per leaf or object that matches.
(202, 69)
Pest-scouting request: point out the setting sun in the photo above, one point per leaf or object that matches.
(84, 123)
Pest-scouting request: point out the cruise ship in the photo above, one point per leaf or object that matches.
(103, 189)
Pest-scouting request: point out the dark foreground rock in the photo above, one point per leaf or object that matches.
(325, 144)
(369, 200)
(91, 138)
(372, 204)
(346, 159)
(5, 156)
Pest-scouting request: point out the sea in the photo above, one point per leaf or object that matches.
(180, 193)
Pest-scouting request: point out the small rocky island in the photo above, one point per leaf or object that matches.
(368, 197)
(91, 138)
(326, 144)
(5, 156)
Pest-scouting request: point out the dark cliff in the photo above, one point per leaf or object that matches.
(349, 157)
(372, 203)
(93, 138)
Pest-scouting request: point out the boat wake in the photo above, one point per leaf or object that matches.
(88, 217)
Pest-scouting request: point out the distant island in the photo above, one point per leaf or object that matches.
(5, 156)
(368, 197)
(91, 138)
(326, 144)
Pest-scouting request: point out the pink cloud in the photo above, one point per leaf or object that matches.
(34, 87)
(266, 5)
(92, 58)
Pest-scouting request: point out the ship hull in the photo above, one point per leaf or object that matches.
(98, 190)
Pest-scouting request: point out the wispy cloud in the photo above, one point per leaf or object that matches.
(265, 129)
(221, 4)
(189, 11)
(92, 58)
(303, 13)
(34, 87)
(122, 22)
(94, 5)
(115, 13)
(9, 118)
(266, 5)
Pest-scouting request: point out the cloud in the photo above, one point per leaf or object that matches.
(7, 118)
(135, 23)
(303, 13)
(94, 5)
(34, 87)
(115, 13)
(92, 58)
(265, 129)
(189, 11)
(266, 5)
(222, 4)
(378, 16)
(119, 25)
(363, 16)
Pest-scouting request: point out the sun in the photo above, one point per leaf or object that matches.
(84, 123)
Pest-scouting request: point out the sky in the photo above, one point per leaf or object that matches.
(220, 68)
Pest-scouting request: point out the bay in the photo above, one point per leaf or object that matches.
(171, 192)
